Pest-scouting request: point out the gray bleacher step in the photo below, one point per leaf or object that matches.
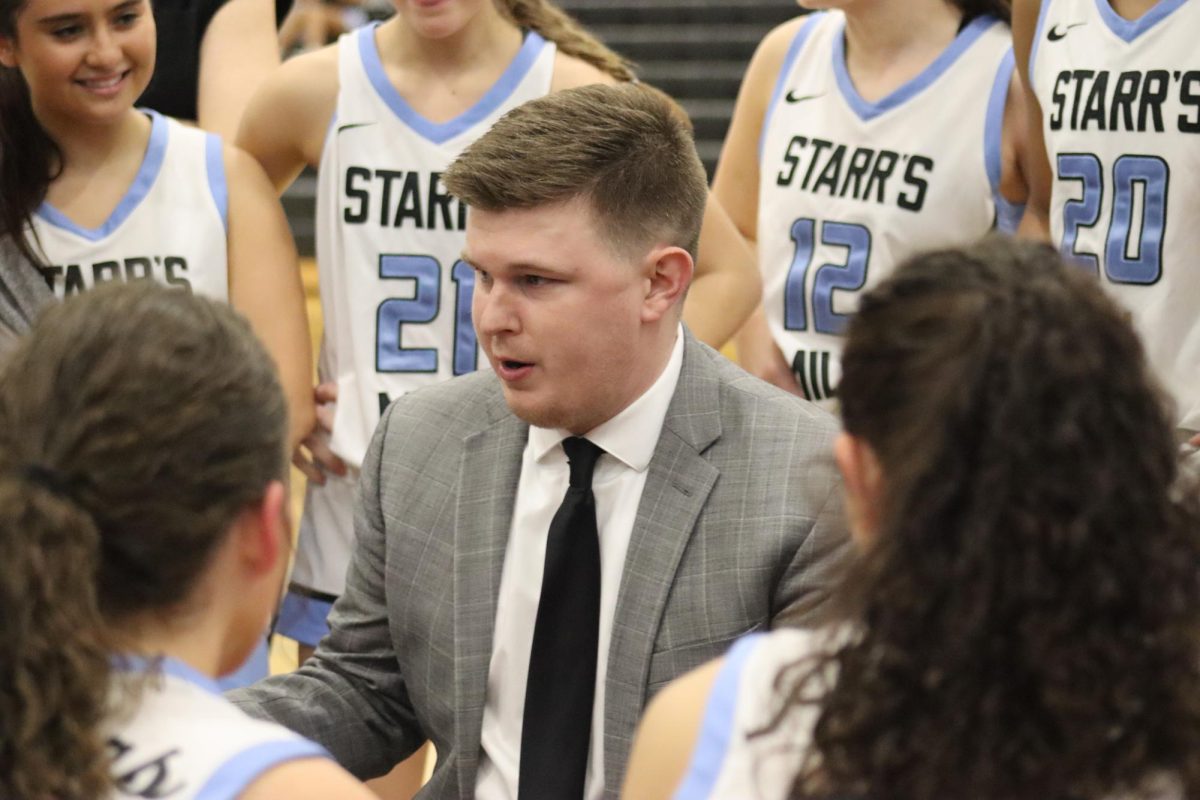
(682, 42)
(709, 117)
(673, 12)
(694, 78)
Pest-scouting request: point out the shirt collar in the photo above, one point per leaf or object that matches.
(631, 435)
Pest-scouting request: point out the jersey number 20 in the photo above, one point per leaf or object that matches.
(1133, 245)
(422, 308)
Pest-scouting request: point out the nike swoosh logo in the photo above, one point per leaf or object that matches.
(792, 97)
(1060, 31)
(350, 125)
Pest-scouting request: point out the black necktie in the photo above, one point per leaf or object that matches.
(557, 727)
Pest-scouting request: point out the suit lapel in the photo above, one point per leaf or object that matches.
(488, 477)
(677, 486)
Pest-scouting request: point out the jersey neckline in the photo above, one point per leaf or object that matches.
(441, 132)
(867, 111)
(143, 181)
(167, 665)
(1129, 29)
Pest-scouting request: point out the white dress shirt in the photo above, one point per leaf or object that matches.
(628, 441)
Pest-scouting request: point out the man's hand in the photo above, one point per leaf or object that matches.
(313, 456)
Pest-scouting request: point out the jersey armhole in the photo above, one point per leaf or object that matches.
(218, 186)
(717, 727)
(230, 779)
(1008, 214)
(789, 61)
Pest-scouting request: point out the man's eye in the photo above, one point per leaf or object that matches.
(534, 280)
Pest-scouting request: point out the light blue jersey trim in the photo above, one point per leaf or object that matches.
(1037, 36)
(868, 111)
(789, 61)
(1008, 214)
(1128, 30)
(156, 149)
(214, 160)
(719, 717)
(167, 666)
(232, 777)
(439, 133)
(304, 619)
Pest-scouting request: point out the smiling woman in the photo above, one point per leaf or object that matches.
(93, 190)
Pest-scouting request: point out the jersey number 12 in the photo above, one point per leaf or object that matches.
(847, 276)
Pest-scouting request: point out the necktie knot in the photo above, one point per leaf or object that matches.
(581, 455)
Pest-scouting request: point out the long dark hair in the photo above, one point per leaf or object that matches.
(136, 422)
(29, 158)
(1029, 612)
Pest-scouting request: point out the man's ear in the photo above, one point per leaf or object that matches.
(264, 530)
(668, 273)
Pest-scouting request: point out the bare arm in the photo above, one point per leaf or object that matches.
(307, 779)
(727, 286)
(735, 187)
(264, 283)
(668, 734)
(239, 50)
(304, 93)
(1035, 165)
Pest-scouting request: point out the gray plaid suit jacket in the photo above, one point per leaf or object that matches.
(740, 525)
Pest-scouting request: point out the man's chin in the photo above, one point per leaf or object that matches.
(536, 411)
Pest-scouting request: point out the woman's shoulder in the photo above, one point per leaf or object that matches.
(572, 71)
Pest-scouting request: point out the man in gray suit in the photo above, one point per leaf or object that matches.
(525, 641)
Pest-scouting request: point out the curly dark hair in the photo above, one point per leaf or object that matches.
(1029, 611)
(136, 422)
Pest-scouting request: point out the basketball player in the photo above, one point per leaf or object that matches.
(93, 190)
(380, 114)
(862, 135)
(130, 501)
(1114, 111)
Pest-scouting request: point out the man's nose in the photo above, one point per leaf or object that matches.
(494, 310)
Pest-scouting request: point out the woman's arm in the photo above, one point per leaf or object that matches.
(302, 92)
(264, 283)
(667, 735)
(727, 286)
(736, 189)
(307, 779)
(1033, 160)
(239, 50)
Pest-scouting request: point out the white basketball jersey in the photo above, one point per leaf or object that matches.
(851, 188)
(395, 294)
(170, 226)
(183, 740)
(1121, 117)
